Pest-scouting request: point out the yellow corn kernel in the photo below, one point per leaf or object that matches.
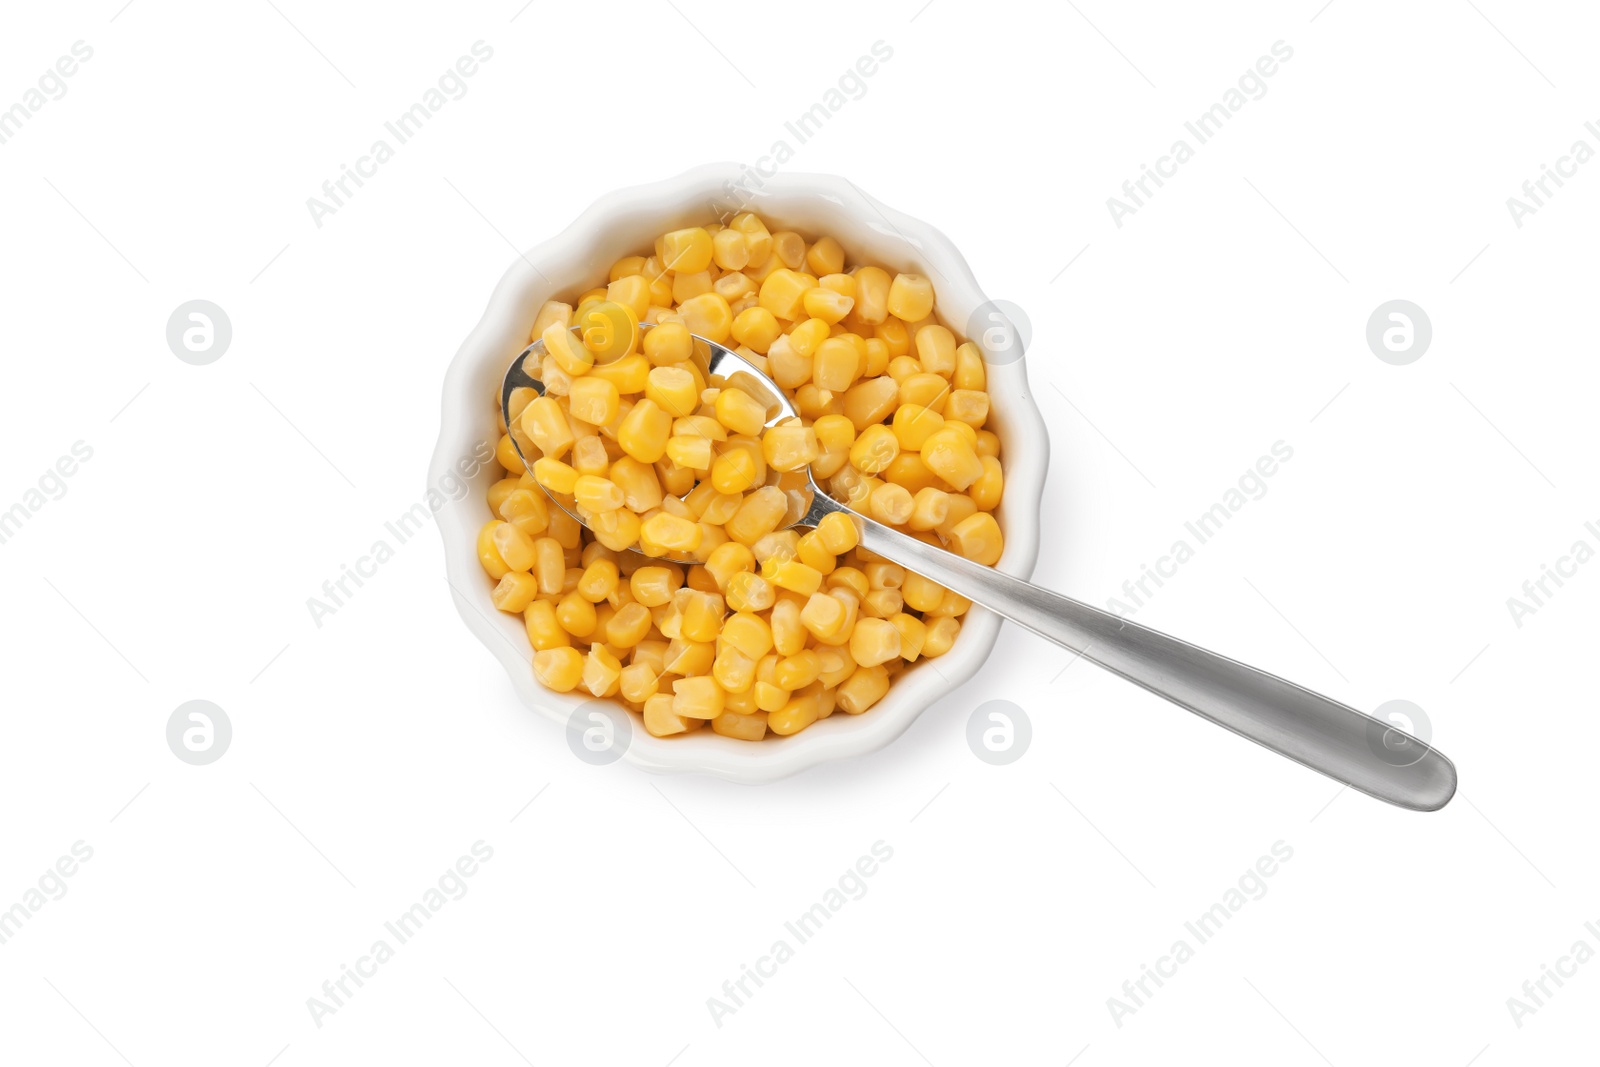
(743, 727)
(663, 533)
(599, 580)
(515, 591)
(617, 530)
(640, 488)
(961, 506)
(692, 452)
(638, 682)
(788, 632)
(589, 455)
(800, 712)
(727, 560)
(749, 633)
(644, 431)
(790, 446)
(687, 251)
(632, 292)
(755, 236)
(875, 449)
(550, 311)
(988, 444)
(689, 658)
(735, 672)
(936, 350)
(500, 490)
(864, 688)
(629, 626)
(891, 504)
(786, 365)
(896, 338)
(826, 616)
(807, 336)
(836, 365)
(543, 630)
(549, 564)
(914, 424)
(913, 631)
(797, 671)
(675, 480)
(576, 615)
(748, 591)
(668, 343)
(903, 367)
(555, 475)
(697, 698)
(601, 672)
(597, 494)
(967, 406)
(653, 586)
(851, 578)
(826, 305)
(546, 424)
(837, 665)
(625, 266)
(838, 533)
(928, 508)
(814, 554)
(674, 390)
(594, 400)
(560, 669)
(949, 455)
(789, 248)
(609, 330)
(730, 250)
(793, 575)
(659, 719)
(702, 616)
(952, 604)
(686, 287)
(872, 294)
(629, 374)
(929, 390)
(783, 293)
(769, 697)
(874, 641)
(970, 372)
(506, 453)
(738, 290)
(871, 401)
(757, 328)
(528, 510)
(513, 549)
(990, 485)
(567, 349)
(719, 506)
(825, 257)
(941, 635)
(882, 603)
(707, 315)
(740, 412)
(758, 516)
(910, 297)
(734, 471)
(921, 594)
(978, 538)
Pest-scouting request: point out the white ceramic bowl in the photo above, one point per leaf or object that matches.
(626, 223)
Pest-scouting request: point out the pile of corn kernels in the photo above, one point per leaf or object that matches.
(773, 628)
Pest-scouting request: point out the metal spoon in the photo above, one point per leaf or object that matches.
(1315, 731)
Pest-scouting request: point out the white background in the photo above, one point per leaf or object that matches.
(368, 754)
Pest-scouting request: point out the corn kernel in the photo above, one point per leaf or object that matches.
(687, 251)
(978, 538)
(891, 504)
(967, 406)
(560, 669)
(670, 533)
(789, 446)
(783, 293)
(740, 412)
(515, 591)
(928, 508)
(940, 636)
(838, 533)
(733, 471)
(668, 343)
(748, 591)
(594, 400)
(949, 455)
(836, 365)
(871, 401)
(875, 449)
(609, 330)
(707, 315)
(697, 698)
(989, 487)
(910, 297)
(644, 431)
(970, 372)
(631, 291)
(874, 641)
(597, 494)
(795, 716)
(864, 688)
(743, 727)
(601, 672)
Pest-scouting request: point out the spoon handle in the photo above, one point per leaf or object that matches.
(1313, 730)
